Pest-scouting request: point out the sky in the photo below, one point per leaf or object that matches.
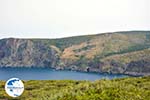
(63, 18)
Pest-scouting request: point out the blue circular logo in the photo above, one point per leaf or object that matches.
(14, 87)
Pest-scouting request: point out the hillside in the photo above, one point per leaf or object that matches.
(116, 89)
(117, 52)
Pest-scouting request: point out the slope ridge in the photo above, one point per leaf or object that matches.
(116, 52)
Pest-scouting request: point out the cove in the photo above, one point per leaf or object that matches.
(51, 74)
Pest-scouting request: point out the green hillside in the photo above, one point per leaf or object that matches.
(116, 89)
(117, 52)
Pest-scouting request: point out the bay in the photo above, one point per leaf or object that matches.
(51, 74)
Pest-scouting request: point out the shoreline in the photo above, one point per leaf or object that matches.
(82, 71)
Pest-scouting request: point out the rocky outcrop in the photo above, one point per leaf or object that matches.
(119, 52)
(26, 53)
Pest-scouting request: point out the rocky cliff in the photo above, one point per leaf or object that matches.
(118, 52)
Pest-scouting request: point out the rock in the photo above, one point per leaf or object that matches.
(119, 52)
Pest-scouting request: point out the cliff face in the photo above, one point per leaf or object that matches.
(120, 52)
(26, 53)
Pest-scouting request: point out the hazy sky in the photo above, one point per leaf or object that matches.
(61, 18)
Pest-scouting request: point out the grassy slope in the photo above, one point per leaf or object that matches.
(102, 45)
(117, 89)
(131, 49)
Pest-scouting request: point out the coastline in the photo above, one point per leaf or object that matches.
(83, 71)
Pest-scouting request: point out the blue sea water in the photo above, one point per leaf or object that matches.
(51, 74)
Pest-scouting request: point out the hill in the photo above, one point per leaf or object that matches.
(116, 89)
(118, 52)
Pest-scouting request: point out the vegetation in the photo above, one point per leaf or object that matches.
(117, 89)
(65, 42)
(118, 52)
(128, 50)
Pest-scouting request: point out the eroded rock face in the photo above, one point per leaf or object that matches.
(142, 66)
(123, 52)
(26, 53)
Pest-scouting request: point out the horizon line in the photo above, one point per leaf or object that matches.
(109, 32)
